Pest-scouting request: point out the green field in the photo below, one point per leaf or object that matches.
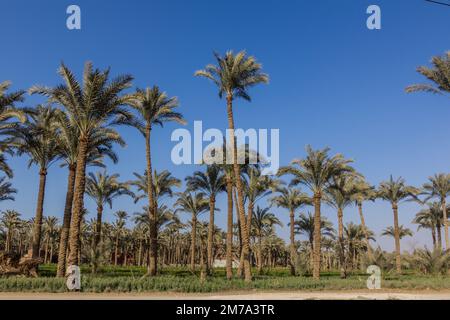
(130, 279)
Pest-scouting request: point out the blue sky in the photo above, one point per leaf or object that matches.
(333, 82)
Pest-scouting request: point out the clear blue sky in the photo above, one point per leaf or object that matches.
(333, 82)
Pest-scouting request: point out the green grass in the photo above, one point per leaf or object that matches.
(129, 279)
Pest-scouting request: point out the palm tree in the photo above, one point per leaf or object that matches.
(36, 138)
(292, 200)
(316, 172)
(210, 183)
(8, 111)
(396, 191)
(439, 74)
(93, 106)
(195, 204)
(118, 228)
(402, 232)
(10, 220)
(339, 195)
(234, 74)
(154, 108)
(355, 237)
(51, 228)
(68, 141)
(263, 220)
(432, 218)
(363, 192)
(103, 189)
(306, 225)
(6, 190)
(439, 187)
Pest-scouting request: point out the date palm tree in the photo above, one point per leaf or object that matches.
(396, 191)
(10, 220)
(316, 172)
(438, 74)
(363, 192)
(432, 218)
(195, 204)
(94, 106)
(439, 187)
(68, 140)
(36, 138)
(339, 195)
(118, 229)
(103, 189)
(6, 190)
(51, 228)
(154, 108)
(262, 221)
(233, 75)
(355, 240)
(210, 183)
(291, 199)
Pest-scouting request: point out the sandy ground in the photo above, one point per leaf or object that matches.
(256, 295)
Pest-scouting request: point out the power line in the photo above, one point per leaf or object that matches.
(438, 2)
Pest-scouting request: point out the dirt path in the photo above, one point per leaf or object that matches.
(257, 295)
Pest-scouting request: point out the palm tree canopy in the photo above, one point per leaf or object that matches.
(403, 232)
(7, 105)
(211, 182)
(430, 217)
(437, 186)
(234, 74)
(6, 190)
(305, 225)
(396, 190)
(193, 203)
(163, 184)
(264, 220)
(94, 105)
(290, 198)
(104, 188)
(154, 107)
(317, 169)
(438, 74)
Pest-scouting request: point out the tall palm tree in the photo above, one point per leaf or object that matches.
(94, 106)
(363, 192)
(6, 190)
(154, 108)
(68, 140)
(195, 204)
(103, 189)
(439, 187)
(263, 220)
(233, 75)
(292, 200)
(36, 138)
(10, 220)
(396, 191)
(316, 172)
(439, 74)
(339, 195)
(210, 183)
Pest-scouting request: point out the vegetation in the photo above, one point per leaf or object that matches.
(153, 249)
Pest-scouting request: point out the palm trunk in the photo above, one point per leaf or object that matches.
(398, 261)
(293, 255)
(98, 226)
(37, 229)
(229, 263)
(116, 252)
(8, 240)
(237, 176)
(439, 235)
(78, 203)
(212, 206)
(153, 265)
(64, 235)
(444, 214)
(240, 270)
(317, 236)
(366, 232)
(260, 247)
(433, 236)
(193, 240)
(341, 243)
(46, 250)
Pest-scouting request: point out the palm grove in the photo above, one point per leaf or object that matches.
(77, 128)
